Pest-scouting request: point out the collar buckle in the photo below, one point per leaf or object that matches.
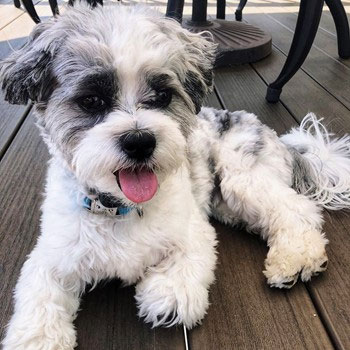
(96, 207)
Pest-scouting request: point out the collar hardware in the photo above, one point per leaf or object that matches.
(96, 207)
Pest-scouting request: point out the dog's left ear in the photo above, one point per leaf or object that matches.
(27, 73)
(199, 61)
(198, 80)
(197, 53)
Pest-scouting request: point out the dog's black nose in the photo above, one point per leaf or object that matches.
(138, 144)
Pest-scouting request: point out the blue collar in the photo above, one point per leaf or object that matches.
(112, 208)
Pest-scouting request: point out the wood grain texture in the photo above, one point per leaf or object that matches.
(11, 118)
(329, 72)
(22, 172)
(245, 313)
(331, 291)
(108, 320)
(242, 89)
(324, 40)
(303, 94)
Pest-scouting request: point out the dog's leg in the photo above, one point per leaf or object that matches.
(254, 171)
(45, 306)
(290, 222)
(176, 290)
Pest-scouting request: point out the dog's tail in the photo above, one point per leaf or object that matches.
(321, 168)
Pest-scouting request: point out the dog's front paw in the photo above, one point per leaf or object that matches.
(284, 266)
(167, 301)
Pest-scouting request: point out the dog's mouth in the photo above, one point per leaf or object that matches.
(138, 185)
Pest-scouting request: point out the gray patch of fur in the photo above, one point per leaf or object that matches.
(260, 143)
(302, 181)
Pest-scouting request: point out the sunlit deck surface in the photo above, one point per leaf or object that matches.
(244, 313)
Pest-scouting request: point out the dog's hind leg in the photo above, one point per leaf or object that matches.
(290, 222)
(255, 185)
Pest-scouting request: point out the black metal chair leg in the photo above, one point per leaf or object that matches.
(17, 3)
(54, 7)
(305, 32)
(220, 9)
(28, 5)
(342, 25)
(239, 10)
(175, 9)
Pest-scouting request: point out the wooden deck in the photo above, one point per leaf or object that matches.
(244, 313)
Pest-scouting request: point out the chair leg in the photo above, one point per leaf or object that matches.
(220, 9)
(28, 5)
(307, 24)
(239, 10)
(54, 7)
(175, 9)
(342, 25)
(17, 3)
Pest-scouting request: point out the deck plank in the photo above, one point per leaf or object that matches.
(302, 94)
(108, 320)
(331, 291)
(248, 94)
(22, 172)
(244, 311)
(324, 40)
(11, 119)
(107, 311)
(327, 71)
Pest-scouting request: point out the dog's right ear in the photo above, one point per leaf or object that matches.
(27, 73)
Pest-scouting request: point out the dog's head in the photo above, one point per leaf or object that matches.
(116, 90)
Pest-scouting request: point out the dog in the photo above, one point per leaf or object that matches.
(138, 166)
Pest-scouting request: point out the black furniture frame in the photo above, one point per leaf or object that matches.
(29, 7)
(307, 24)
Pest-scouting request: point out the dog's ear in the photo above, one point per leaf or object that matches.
(197, 53)
(27, 73)
(201, 53)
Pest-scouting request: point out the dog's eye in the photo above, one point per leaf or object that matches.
(161, 99)
(92, 103)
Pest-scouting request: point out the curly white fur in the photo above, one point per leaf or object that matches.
(328, 163)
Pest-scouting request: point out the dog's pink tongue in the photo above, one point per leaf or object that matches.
(138, 186)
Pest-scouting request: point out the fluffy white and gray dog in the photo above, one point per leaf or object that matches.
(137, 167)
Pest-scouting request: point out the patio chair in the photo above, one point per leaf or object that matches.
(307, 24)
